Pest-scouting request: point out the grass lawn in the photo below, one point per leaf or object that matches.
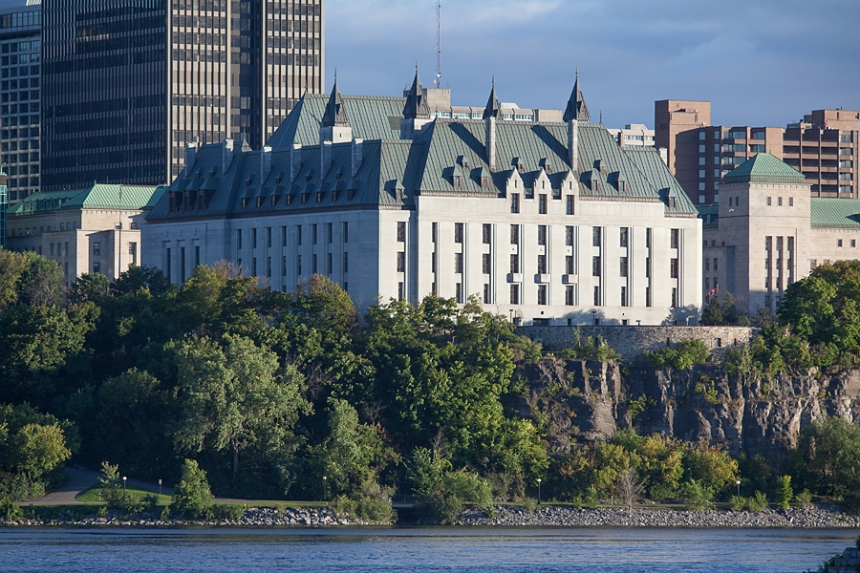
(94, 495)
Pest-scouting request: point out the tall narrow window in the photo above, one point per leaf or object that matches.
(568, 236)
(595, 266)
(401, 232)
(623, 267)
(515, 294)
(314, 264)
(595, 236)
(284, 266)
(648, 296)
(542, 204)
(458, 232)
(515, 264)
(329, 232)
(298, 234)
(596, 296)
(570, 204)
(401, 262)
(401, 294)
(345, 232)
(486, 265)
(254, 239)
(674, 298)
(238, 238)
(541, 264)
(269, 267)
(269, 237)
(515, 234)
(458, 262)
(624, 296)
(298, 265)
(346, 262)
(283, 236)
(486, 232)
(625, 236)
(673, 268)
(541, 234)
(314, 234)
(568, 295)
(676, 234)
(568, 264)
(459, 293)
(515, 203)
(487, 298)
(541, 295)
(182, 264)
(434, 229)
(648, 238)
(328, 266)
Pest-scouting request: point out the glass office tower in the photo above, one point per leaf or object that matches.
(126, 84)
(20, 52)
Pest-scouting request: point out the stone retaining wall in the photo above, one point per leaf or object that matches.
(631, 341)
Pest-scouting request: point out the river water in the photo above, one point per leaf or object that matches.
(419, 550)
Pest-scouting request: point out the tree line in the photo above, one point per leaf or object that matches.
(293, 395)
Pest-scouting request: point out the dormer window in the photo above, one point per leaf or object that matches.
(350, 195)
(320, 197)
(622, 186)
(458, 181)
(304, 198)
(259, 201)
(289, 199)
(244, 202)
(547, 168)
(521, 168)
(274, 200)
(485, 182)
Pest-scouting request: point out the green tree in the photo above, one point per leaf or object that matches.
(784, 492)
(192, 496)
(235, 397)
(827, 459)
(89, 287)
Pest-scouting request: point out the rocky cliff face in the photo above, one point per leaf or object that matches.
(591, 400)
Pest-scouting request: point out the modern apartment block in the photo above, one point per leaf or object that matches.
(823, 147)
(544, 222)
(127, 84)
(633, 135)
(20, 54)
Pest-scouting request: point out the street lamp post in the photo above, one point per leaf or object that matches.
(738, 483)
(159, 486)
(325, 488)
(124, 479)
(538, 480)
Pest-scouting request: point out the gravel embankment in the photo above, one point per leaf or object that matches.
(504, 516)
(812, 517)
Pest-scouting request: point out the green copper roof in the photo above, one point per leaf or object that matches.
(98, 196)
(834, 212)
(764, 168)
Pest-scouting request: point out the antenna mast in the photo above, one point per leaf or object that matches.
(438, 80)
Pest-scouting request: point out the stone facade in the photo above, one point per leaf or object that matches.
(631, 341)
(544, 222)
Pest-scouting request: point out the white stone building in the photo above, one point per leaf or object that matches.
(551, 223)
(91, 230)
(767, 232)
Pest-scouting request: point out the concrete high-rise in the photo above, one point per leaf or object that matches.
(824, 147)
(20, 51)
(126, 84)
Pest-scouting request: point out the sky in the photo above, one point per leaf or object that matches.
(759, 62)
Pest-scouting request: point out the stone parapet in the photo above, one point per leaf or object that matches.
(631, 341)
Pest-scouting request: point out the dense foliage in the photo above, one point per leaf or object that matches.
(272, 395)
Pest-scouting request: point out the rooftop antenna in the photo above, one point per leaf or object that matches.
(438, 81)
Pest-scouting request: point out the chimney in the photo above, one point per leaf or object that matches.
(226, 155)
(325, 158)
(190, 154)
(265, 162)
(357, 158)
(295, 161)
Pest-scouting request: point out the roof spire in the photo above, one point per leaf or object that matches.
(493, 107)
(576, 107)
(416, 101)
(335, 113)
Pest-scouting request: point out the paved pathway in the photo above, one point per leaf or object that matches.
(79, 480)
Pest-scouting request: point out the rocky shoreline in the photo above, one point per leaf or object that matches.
(502, 516)
(804, 517)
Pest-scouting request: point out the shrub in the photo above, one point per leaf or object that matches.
(228, 511)
(192, 496)
(784, 493)
(803, 499)
(9, 510)
(371, 502)
(529, 504)
(453, 492)
(758, 503)
(696, 496)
